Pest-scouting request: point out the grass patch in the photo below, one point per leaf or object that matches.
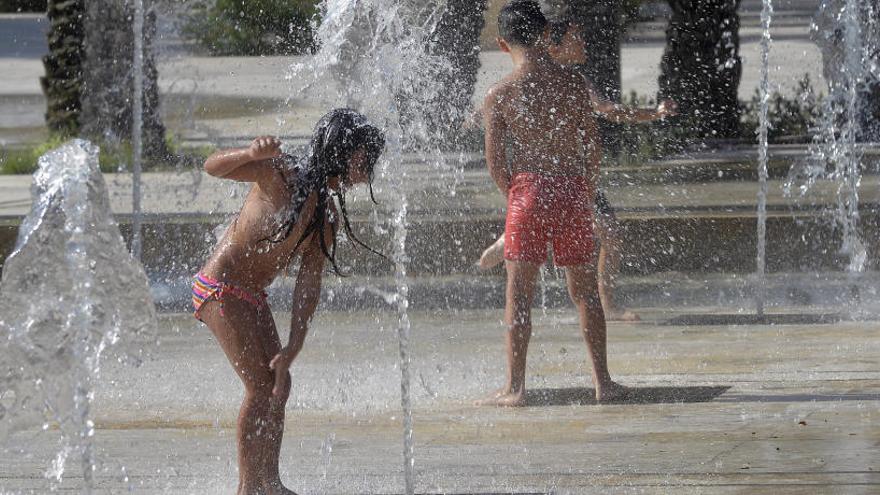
(252, 27)
(115, 157)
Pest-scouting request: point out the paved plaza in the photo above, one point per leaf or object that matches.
(787, 409)
(212, 99)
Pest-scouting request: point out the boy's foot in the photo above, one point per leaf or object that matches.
(493, 255)
(251, 490)
(504, 398)
(611, 391)
(622, 315)
(276, 488)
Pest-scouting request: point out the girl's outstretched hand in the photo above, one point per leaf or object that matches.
(280, 364)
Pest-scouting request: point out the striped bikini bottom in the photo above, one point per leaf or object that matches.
(205, 288)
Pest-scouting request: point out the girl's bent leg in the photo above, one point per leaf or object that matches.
(610, 258)
(277, 404)
(249, 340)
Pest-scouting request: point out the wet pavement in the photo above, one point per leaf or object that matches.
(713, 409)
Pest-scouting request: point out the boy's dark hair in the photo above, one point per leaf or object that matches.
(558, 30)
(521, 22)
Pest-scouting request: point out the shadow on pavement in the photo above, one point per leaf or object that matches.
(582, 396)
(802, 398)
(737, 319)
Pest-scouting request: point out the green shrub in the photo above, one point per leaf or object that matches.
(253, 27)
(647, 141)
(113, 157)
(22, 5)
(788, 117)
(791, 120)
(629, 10)
(24, 160)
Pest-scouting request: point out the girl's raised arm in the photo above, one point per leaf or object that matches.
(249, 164)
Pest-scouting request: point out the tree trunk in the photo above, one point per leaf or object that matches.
(829, 32)
(601, 22)
(458, 39)
(701, 67)
(108, 78)
(62, 83)
(872, 94)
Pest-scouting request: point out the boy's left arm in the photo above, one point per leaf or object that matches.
(306, 295)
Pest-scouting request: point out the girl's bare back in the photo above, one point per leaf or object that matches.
(244, 255)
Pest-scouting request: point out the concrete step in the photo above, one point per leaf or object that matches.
(734, 293)
(691, 227)
(450, 246)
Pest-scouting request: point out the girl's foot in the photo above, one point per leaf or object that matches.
(504, 398)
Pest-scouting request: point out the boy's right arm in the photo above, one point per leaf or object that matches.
(251, 164)
(496, 157)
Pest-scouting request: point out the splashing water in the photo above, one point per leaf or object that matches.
(845, 31)
(70, 290)
(378, 51)
(763, 132)
(137, 129)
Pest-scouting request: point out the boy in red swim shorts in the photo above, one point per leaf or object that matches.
(567, 47)
(543, 152)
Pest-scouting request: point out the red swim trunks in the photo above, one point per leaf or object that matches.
(549, 209)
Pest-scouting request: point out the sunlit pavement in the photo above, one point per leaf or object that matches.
(261, 85)
(713, 409)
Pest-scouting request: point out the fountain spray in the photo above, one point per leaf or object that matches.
(766, 42)
(137, 129)
(70, 291)
(379, 53)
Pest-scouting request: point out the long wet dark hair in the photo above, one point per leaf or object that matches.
(337, 136)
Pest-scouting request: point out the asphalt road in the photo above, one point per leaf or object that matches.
(23, 36)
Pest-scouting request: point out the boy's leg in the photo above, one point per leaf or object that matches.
(521, 278)
(584, 292)
(608, 230)
(246, 337)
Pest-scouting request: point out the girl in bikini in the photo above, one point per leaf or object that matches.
(289, 212)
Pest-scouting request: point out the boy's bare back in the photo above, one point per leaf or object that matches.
(542, 114)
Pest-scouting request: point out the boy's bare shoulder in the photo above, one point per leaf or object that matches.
(499, 91)
(575, 79)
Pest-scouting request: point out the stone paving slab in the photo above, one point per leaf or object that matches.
(791, 409)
